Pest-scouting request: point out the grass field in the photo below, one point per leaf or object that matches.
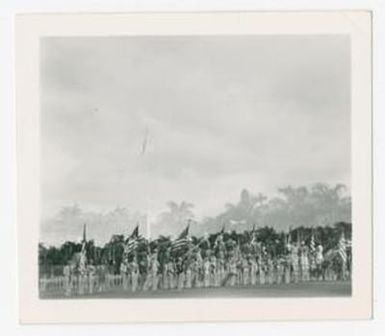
(309, 289)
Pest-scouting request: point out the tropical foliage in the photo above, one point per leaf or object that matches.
(322, 210)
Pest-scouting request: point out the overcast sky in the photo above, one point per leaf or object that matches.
(222, 114)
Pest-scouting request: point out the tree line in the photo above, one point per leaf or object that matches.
(111, 253)
(319, 204)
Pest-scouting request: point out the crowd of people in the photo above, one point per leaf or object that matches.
(200, 263)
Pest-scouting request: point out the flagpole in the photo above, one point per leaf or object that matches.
(143, 151)
(148, 221)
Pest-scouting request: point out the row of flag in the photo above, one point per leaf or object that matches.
(341, 248)
(183, 240)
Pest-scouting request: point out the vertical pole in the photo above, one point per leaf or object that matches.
(148, 220)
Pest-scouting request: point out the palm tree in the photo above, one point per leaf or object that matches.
(245, 213)
(329, 201)
(176, 217)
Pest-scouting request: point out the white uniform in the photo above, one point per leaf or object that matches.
(233, 272)
(304, 262)
(134, 276)
(253, 272)
(67, 280)
(188, 276)
(124, 273)
(154, 273)
(213, 271)
(91, 278)
(294, 261)
(206, 272)
(319, 258)
(246, 272)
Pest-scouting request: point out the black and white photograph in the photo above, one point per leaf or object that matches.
(194, 167)
(185, 166)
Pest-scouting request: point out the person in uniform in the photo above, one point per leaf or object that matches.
(319, 258)
(270, 269)
(288, 263)
(164, 265)
(245, 270)
(164, 269)
(188, 272)
(294, 261)
(343, 273)
(263, 265)
(91, 273)
(124, 272)
(253, 270)
(233, 271)
(280, 269)
(82, 267)
(312, 265)
(100, 278)
(165, 275)
(67, 279)
(134, 267)
(145, 272)
(213, 270)
(220, 268)
(199, 269)
(304, 262)
(154, 270)
(206, 272)
(180, 273)
(171, 274)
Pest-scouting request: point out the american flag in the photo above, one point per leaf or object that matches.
(182, 240)
(342, 247)
(220, 234)
(132, 241)
(84, 241)
(312, 244)
(130, 246)
(253, 235)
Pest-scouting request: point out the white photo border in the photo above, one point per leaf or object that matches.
(31, 27)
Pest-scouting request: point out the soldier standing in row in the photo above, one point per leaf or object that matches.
(294, 262)
(288, 263)
(188, 271)
(180, 272)
(253, 270)
(245, 270)
(124, 271)
(270, 269)
(233, 271)
(198, 269)
(206, 272)
(67, 279)
(146, 278)
(304, 262)
(82, 274)
(213, 270)
(134, 268)
(100, 273)
(263, 265)
(318, 262)
(220, 268)
(154, 270)
(171, 274)
(91, 272)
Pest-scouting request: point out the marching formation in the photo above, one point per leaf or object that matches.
(190, 262)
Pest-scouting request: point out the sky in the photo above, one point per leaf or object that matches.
(215, 114)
